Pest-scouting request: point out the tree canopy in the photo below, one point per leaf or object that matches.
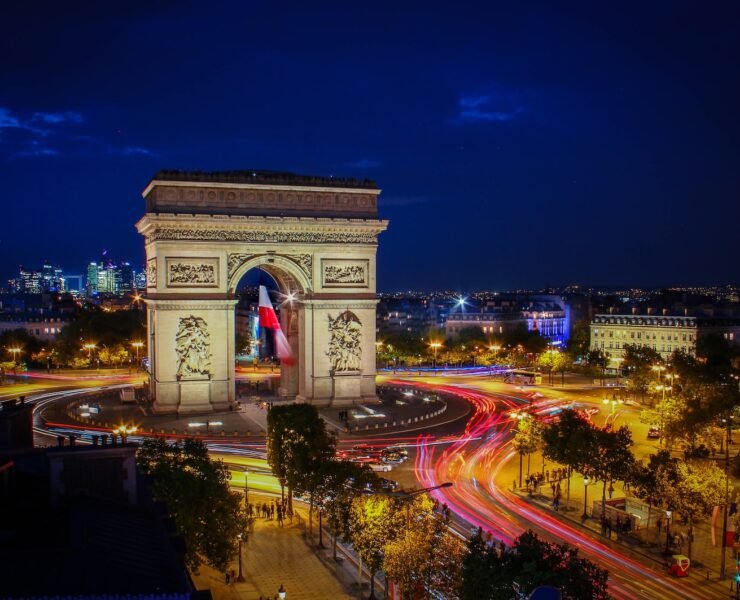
(195, 488)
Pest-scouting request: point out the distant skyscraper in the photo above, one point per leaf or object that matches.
(92, 279)
(36, 281)
(126, 278)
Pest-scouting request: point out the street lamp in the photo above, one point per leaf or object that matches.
(668, 515)
(15, 352)
(240, 577)
(124, 431)
(586, 481)
(138, 346)
(435, 346)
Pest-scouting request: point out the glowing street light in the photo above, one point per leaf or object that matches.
(90, 348)
(138, 346)
(124, 431)
(15, 352)
(586, 481)
(435, 346)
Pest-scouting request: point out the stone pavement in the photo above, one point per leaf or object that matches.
(275, 556)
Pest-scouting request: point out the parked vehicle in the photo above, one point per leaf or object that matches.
(653, 433)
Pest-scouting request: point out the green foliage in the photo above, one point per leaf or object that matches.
(580, 338)
(18, 338)
(104, 329)
(424, 555)
(197, 494)
(638, 364)
(373, 522)
(602, 454)
(532, 562)
(297, 445)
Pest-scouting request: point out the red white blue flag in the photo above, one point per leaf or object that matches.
(268, 320)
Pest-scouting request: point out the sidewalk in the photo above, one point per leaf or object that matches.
(275, 556)
(646, 545)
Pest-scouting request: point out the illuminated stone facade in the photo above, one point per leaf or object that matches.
(316, 237)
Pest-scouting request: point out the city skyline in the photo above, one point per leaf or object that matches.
(515, 147)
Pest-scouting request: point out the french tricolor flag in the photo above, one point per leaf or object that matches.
(269, 320)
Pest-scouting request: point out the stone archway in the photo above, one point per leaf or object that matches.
(317, 237)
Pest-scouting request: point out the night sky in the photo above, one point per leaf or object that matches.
(517, 144)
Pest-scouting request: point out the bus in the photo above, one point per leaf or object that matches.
(523, 377)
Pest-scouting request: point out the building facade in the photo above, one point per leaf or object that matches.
(663, 333)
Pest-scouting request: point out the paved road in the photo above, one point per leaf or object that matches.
(474, 462)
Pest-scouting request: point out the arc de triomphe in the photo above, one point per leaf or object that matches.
(316, 236)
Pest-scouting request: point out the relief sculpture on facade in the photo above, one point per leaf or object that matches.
(345, 274)
(193, 348)
(151, 273)
(280, 237)
(192, 273)
(345, 344)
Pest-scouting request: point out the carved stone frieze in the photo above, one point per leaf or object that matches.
(192, 272)
(345, 273)
(278, 237)
(193, 348)
(345, 342)
(151, 273)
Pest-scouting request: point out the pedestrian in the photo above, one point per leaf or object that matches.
(660, 525)
(233, 576)
(514, 486)
(227, 577)
(272, 511)
(280, 515)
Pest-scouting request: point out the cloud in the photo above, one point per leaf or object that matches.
(489, 107)
(364, 163)
(55, 133)
(37, 152)
(55, 118)
(136, 151)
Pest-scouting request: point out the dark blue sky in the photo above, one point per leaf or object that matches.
(517, 144)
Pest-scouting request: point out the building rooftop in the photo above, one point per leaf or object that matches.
(262, 177)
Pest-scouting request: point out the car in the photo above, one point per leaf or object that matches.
(380, 467)
(653, 433)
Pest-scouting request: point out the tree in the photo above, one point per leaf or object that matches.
(610, 458)
(424, 556)
(478, 564)
(568, 441)
(638, 363)
(297, 445)
(207, 513)
(600, 360)
(698, 489)
(373, 520)
(653, 482)
(515, 572)
(527, 439)
(580, 338)
(105, 329)
(342, 482)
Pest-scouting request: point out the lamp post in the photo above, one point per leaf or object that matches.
(586, 481)
(668, 515)
(435, 346)
(15, 352)
(137, 346)
(240, 577)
